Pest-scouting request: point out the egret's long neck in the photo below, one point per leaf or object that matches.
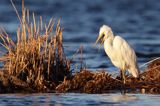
(109, 39)
(108, 44)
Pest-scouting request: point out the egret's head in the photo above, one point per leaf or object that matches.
(103, 33)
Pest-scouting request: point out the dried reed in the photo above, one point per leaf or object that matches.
(37, 57)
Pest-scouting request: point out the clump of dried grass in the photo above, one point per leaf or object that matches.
(149, 81)
(90, 82)
(37, 56)
(153, 72)
(101, 82)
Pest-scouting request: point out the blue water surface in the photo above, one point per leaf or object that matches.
(72, 99)
(137, 21)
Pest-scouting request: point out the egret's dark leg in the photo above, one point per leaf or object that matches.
(124, 81)
(121, 74)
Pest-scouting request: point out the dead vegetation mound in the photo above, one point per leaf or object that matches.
(152, 73)
(101, 82)
(89, 82)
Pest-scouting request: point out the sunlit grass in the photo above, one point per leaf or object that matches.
(37, 55)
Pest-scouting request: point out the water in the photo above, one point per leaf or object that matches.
(138, 21)
(72, 99)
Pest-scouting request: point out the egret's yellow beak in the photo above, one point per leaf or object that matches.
(101, 39)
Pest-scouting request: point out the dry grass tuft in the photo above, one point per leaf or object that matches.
(149, 81)
(37, 56)
(101, 82)
(153, 72)
(89, 82)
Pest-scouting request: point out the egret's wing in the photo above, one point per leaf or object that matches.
(124, 50)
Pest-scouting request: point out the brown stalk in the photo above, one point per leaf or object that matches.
(23, 23)
(36, 57)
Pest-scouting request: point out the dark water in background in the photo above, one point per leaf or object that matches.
(138, 21)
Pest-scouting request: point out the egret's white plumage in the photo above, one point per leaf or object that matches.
(119, 51)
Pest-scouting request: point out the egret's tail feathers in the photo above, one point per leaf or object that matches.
(134, 72)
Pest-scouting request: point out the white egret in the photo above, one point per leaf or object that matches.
(119, 51)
